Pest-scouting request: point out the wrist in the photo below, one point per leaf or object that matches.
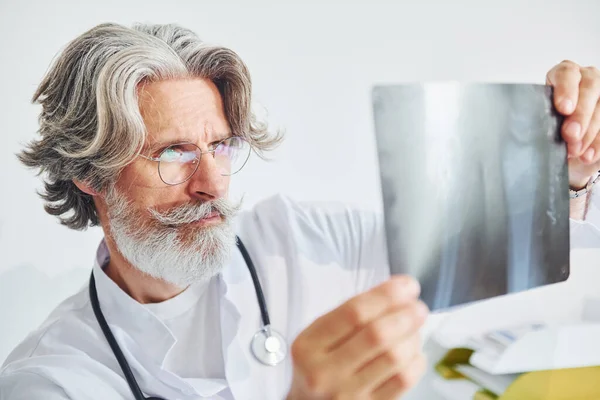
(578, 208)
(579, 184)
(580, 187)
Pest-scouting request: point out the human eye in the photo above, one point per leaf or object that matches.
(177, 153)
(227, 146)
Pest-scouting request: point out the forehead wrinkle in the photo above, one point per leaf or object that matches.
(208, 129)
(202, 132)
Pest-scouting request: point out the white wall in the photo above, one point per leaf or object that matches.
(313, 65)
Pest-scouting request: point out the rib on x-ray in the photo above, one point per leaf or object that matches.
(475, 188)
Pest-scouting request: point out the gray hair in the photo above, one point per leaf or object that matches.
(90, 124)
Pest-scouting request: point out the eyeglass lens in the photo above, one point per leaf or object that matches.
(177, 163)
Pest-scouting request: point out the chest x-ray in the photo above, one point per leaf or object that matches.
(475, 188)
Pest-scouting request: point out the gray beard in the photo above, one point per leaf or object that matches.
(156, 242)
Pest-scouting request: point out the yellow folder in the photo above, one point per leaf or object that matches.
(559, 384)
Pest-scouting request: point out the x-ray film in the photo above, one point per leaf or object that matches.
(475, 188)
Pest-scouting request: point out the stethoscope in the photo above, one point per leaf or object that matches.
(267, 345)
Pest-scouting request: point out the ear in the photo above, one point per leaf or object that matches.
(85, 188)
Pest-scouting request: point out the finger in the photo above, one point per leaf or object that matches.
(589, 93)
(402, 382)
(592, 155)
(337, 325)
(378, 337)
(565, 78)
(384, 366)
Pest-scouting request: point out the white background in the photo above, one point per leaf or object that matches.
(313, 66)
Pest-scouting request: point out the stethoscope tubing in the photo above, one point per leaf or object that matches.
(131, 381)
(127, 372)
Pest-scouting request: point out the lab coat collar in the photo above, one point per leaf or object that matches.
(148, 337)
(125, 313)
(237, 293)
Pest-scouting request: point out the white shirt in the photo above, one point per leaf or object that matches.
(193, 319)
(309, 258)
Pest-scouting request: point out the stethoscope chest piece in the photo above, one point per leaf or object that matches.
(268, 346)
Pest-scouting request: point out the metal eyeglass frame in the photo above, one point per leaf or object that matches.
(201, 152)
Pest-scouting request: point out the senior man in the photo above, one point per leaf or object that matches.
(141, 130)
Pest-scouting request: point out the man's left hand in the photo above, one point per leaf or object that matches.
(577, 97)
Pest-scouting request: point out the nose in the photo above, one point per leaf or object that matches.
(207, 183)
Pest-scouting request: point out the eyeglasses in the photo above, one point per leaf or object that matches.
(178, 162)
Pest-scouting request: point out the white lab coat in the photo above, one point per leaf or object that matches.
(309, 258)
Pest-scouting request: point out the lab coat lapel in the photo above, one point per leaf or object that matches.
(240, 320)
(144, 340)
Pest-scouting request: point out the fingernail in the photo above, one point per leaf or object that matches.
(589, 154)
(573, 129)
(567, 105)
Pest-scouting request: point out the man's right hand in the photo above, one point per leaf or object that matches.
(368, 348)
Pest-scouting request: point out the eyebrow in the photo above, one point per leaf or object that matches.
(166, 143)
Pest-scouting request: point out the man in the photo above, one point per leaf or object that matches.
(141, 131)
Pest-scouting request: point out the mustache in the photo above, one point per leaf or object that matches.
(188, 213)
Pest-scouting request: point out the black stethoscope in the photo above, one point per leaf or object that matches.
(267, 345)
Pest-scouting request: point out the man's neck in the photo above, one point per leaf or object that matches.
(138, 285)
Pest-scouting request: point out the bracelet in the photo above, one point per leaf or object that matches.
(573, 194)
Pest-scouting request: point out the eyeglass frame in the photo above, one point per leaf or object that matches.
(157, 159)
